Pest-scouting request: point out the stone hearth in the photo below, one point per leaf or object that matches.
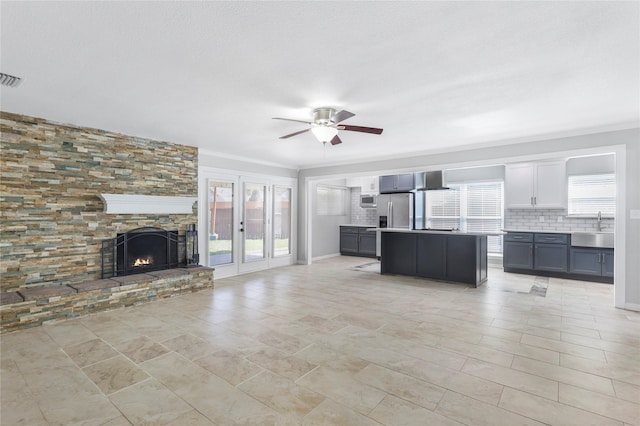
(36, 306)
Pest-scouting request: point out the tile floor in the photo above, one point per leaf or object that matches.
(329, 345)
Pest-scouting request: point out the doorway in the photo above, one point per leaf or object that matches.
(247, 221)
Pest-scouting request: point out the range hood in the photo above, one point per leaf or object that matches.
(432, 181)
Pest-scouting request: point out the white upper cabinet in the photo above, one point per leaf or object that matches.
(370, 185)
(540, 185)
(367, 184)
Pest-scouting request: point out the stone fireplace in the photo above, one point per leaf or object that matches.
(54, 218)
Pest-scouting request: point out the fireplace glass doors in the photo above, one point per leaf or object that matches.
(141, 250)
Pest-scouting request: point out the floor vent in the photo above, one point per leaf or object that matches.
(9, 80)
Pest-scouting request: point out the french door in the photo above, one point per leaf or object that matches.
(249, 222)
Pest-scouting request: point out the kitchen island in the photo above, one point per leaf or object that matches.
(441, 255)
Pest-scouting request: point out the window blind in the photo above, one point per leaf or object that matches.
(590, 194)
(471, 207)
(331, 201)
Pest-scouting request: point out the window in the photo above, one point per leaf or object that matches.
(331, 201)
(590, 194)
(471, 207)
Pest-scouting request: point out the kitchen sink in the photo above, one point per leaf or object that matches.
(592, 239)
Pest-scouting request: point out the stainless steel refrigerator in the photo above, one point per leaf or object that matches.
(395, 211)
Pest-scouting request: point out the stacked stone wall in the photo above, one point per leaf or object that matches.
(52, 220)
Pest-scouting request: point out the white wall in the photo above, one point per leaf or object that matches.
(625, 143)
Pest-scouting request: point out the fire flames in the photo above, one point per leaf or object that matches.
(143, 262)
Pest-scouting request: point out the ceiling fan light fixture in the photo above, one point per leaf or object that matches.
(324, 133)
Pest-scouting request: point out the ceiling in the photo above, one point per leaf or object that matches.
(436, 76)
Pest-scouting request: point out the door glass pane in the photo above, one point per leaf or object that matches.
(281, 221)
(220, 223)
(254, 219)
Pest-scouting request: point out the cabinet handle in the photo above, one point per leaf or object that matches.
(518, 238)
(599, 258)
(532, 201)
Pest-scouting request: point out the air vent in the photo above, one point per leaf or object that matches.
(9, 80)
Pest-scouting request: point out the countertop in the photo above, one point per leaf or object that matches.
(358, 225)
(425, 231)
(538, 231)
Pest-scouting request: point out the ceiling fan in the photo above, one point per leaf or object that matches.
(325, 125)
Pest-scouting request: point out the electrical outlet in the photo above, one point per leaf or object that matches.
(634, 214)
(541, 219)
(559, 219)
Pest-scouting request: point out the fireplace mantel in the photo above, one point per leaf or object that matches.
(147, 204)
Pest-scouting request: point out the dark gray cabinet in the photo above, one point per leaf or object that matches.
(551, 252)
(349, 240)
(468, 254)
(432, 256)
(357, 241)
(592, 261)
(367, 243)
(536, 251)
(518, 250)
(396, 183)
(398, 253)
(456, 258)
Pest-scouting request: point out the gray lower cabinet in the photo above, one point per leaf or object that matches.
(518, 250)
(357, 241)
(398, 253)
(456, 258)
(551, 252)
(535, 251)
(592, 261)
(367, 243)
(432, 256)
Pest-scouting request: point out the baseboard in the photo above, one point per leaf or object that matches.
(632, 306)
(327, 256)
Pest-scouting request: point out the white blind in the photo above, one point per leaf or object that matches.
(471, 207)
(590, 194)
(444, 204)
(331, 201)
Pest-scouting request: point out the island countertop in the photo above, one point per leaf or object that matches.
(435, 231)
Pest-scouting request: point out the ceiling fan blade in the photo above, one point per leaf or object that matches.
(294, 134)
(341, 116)
(336, 140)
(289, 119)
(373, 130)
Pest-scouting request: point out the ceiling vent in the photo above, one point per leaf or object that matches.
(9, 80)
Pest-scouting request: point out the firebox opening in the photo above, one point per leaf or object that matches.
(141, 250)
(148, 249)
(147, 261)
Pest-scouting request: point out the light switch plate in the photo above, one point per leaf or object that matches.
(634, 214)
(541, 218)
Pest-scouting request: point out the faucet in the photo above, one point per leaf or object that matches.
(599, 222)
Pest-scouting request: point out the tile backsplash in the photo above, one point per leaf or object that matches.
(518, 219)
(360, 216)
(527, 219)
